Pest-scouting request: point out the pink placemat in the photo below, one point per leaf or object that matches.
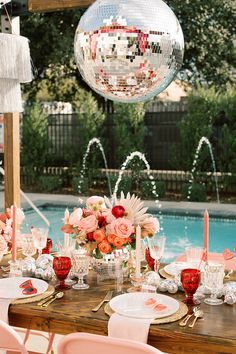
(217, 257)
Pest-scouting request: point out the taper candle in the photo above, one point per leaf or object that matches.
(138, 252)
(14, 230)
(206, 234)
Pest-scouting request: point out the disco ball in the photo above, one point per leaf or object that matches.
(129, 50)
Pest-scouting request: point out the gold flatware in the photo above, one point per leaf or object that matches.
(107, 298)
(40, 303)
(184, 321)
(198, 314)
(57, 296)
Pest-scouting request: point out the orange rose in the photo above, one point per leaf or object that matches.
(99, 235)
(111, 238)
(104, 247)
(118, 242)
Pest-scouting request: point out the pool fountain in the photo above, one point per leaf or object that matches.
(93, 141)
(202, 141)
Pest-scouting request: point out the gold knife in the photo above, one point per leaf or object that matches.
(107, 298)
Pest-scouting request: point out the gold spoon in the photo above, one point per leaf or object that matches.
(57, 296)
(197, 314)
(184, 321)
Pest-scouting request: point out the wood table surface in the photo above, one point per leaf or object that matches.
(216, 333)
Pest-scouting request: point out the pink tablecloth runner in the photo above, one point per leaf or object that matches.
(4, 306)
(217, 257)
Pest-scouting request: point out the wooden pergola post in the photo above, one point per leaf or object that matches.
(12, 120)
(12, 158)
(11, 136)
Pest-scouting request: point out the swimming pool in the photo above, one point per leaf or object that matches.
(180, 230)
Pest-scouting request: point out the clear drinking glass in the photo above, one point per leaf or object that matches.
(213, 278)
(156, 247)
(40, 238)
(81, 263)
(28, 246)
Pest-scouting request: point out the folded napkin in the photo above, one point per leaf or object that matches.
(128, 328)
(4, 306)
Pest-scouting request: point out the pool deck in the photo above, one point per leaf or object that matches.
(170, 207)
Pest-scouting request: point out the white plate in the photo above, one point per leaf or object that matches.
(175, 268)
(10, 287)
(133, 305)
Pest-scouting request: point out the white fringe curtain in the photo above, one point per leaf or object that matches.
(15, 68)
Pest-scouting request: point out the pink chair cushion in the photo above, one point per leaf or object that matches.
(85, 343)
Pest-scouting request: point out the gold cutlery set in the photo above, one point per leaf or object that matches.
(45, 302)
(197, 313)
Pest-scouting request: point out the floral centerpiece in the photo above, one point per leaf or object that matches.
(104, 226)
(6, 221)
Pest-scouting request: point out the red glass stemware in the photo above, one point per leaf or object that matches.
(190, 279)
(62, 266)
(48, 247)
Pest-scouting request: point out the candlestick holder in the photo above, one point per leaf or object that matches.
(137, 280)
(15, 270)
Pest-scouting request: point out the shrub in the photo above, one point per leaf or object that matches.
(125, 184)
(196, 192)
(49, 183)
(146, 189)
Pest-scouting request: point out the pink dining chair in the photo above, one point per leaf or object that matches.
(86, 343)
(10, 340)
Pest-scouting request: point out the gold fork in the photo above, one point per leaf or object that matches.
(107, 298)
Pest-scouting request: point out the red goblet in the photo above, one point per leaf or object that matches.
(62, 266)
(190, 279)
(48, 247)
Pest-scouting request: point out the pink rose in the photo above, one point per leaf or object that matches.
(75, 216)
(150, 226)
(88, 224)
(121, 227)
(3, 244)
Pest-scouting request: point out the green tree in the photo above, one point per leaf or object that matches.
(209, 29)
(212, 115)
(128, 130)
(34, 140)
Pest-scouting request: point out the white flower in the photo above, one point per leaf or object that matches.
(134, 210)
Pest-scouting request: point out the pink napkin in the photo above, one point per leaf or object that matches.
(128, 328)
(4, 306)
(217, 257)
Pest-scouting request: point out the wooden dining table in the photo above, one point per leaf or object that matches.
(215, 333)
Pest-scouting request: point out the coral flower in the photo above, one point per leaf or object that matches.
(104, 247)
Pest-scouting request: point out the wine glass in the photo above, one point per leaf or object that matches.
(40, 238)
(61, 267)
(213, 278)
(190, 279)
(81, 267)
(156, 247)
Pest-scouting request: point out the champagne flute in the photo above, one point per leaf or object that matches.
(156, 247)
(40, 238)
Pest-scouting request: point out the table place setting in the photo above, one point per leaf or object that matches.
(131, 314)
(17, 290)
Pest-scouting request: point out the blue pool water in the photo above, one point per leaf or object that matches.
(180, 231)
